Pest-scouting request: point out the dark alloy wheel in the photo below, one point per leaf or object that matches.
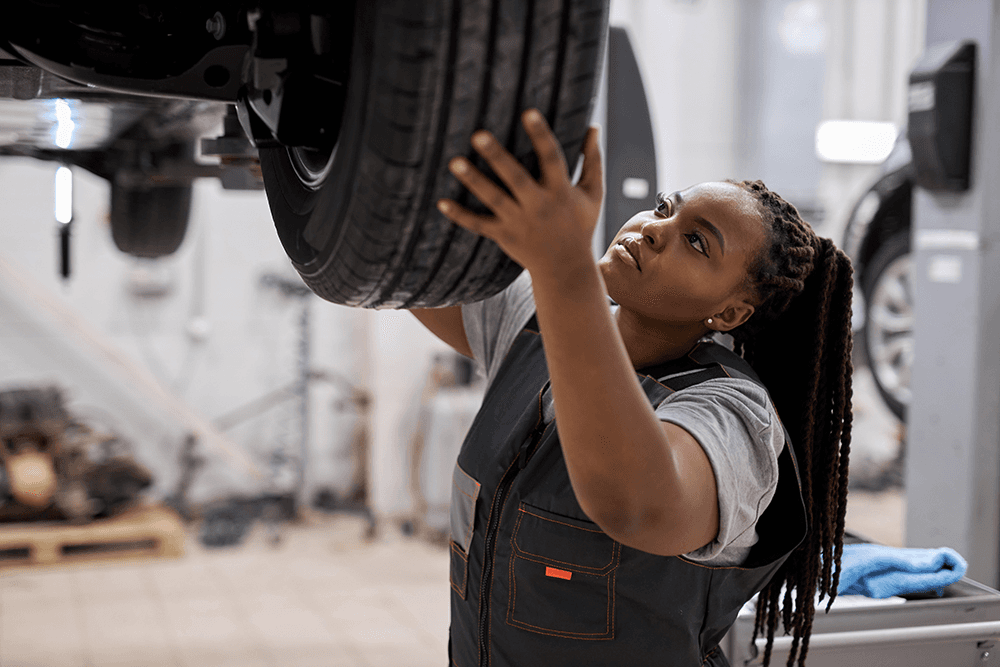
(359, 220)
(888, 332)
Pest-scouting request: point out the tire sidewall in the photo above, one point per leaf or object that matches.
(316, 234)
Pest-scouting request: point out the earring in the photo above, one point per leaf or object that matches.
(709, 321)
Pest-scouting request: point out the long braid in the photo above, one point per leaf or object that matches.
(799, 342)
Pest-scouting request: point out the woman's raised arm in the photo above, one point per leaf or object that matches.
(647, 484)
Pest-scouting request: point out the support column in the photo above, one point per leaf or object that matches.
(953, 422)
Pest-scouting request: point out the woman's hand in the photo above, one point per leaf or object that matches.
(544, 225)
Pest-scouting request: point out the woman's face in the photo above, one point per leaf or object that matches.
(686, 260)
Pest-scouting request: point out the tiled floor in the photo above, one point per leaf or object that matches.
(322, 597)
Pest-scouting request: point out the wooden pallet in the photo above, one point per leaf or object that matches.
(139, 533)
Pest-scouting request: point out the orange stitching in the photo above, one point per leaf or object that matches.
(709, 655)
(459, 489)
(524, 552)
(546, 560)
(549, 631)
(607, 612)
(562, 523)
(542, 631)
(573, 567)
(562, 632)
(691, 353)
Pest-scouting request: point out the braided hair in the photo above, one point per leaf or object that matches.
(798, 340)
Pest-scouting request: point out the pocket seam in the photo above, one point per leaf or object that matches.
(465, 579)
(561, 523)
(586, 569)
(609, 632)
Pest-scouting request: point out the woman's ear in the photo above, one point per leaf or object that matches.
(732, 316)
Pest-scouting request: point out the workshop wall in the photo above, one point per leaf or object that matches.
(201, 323)
(737, 89)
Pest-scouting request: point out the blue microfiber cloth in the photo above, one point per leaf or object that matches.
(878, 571)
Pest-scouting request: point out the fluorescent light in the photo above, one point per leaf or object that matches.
(64, 124)
(635, 188)
(64, 195)
(854, 141)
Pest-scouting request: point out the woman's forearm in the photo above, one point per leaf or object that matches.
(619, 458)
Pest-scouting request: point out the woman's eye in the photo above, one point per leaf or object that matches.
(698, 241)
(664, 205)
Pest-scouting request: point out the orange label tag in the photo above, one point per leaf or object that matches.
(558, 574)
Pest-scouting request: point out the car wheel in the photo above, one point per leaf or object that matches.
(888, 332)
(149, 220)
(359, 221)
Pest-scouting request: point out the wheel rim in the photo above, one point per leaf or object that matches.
(889, 329)
(312, 166)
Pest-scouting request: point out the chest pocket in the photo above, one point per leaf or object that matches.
(464, 492)
(562, 576)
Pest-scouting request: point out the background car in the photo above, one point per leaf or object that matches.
(877, 239)
(353, 108)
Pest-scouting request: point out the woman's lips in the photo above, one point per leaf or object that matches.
(626, 255)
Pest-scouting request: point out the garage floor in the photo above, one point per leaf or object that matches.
(323, 596)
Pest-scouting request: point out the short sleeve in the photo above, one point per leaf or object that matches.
(491, 325)
(735, 423)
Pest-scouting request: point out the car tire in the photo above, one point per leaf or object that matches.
(361, 225)
(149, 221)
(888, 329)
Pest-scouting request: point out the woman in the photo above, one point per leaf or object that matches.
(671, 493)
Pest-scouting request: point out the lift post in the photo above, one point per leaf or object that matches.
(953, 427)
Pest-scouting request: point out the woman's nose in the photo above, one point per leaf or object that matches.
(654, 232)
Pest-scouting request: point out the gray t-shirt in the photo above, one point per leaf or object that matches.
(732, 419)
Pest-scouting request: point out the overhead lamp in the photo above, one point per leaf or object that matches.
(64, 123)
(64, 216)
(855, 141)
(64, 195)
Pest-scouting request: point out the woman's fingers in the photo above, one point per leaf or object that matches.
(506, 166)
(592, 175)
(485, 190)
(551, 160)
(484, 225)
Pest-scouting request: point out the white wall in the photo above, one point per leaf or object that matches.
(872, 47)
(249, 333)
(736, 88)
(687, 56)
